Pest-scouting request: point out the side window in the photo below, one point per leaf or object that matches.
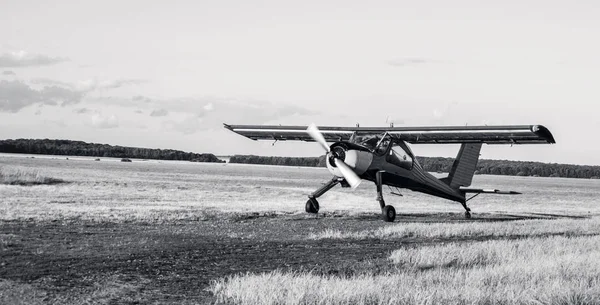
(400, 157)
(383, 146)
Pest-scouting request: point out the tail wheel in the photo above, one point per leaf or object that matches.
(388, 213)
(312, 206)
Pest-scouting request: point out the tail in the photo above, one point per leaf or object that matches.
(464, 166)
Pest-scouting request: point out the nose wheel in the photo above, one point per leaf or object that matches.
(312, 206)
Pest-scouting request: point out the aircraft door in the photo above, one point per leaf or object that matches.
(400, 156)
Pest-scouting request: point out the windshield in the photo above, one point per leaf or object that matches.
(374, 142)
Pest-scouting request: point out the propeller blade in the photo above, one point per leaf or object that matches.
(350, 176)
(314, 133)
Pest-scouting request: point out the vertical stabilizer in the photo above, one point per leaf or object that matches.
(464, 166)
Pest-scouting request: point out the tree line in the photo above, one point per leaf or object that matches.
(432, 164)
(439, 164)
(80, 148)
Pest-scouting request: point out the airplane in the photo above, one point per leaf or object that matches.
(383, 155)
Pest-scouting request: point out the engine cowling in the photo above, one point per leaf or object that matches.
(358, 160)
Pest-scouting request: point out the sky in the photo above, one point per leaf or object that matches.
(168, 74)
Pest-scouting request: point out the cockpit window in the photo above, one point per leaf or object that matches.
(376, 143)
(400, 156)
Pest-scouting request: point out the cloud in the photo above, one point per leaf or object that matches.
(159, 112)
(90, 85)
(82, 110)
(105, 122)
(16, 95)
(24, 59)
(184, 114)
(8, 72)
(52, 82)
(140, 98)
(60, 94)
(120, 83)
(403, 62)
(189, 125)
(441, 113)
(198, 114)
(58, 123)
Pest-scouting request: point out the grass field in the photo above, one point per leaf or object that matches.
(189, 233)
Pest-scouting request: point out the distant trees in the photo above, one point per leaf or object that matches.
(517, 168)
(439, 164)
(435, 164)
(80, 148)
(288, 161)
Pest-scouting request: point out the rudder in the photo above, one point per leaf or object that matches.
(464, 165)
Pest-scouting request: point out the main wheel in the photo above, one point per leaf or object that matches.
(468, 215)
(388, 213)
(312, 206)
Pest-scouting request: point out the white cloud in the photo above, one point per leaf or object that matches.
(188, 125)
(209, 107)
(117, 83)
(24, 59)
(403, 62)
(141, 98)
(159, 112)
(82, 110)
(103, 122)
(15, 95)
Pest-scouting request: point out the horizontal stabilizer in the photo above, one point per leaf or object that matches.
(488, 191)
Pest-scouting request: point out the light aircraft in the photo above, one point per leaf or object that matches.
(382, 155)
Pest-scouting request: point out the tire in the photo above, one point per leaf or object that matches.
(468, 215)
(312, 206)
(388, 213)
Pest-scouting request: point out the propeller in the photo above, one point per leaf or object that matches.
(314, 133)
(350, 176)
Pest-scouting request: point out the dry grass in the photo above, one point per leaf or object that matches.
(538, 227)
(549, 270)
(17, 176)
(109, 289)
(554, 270)
(534, 251)
(166, 191)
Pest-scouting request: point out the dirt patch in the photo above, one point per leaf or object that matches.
(143, 262)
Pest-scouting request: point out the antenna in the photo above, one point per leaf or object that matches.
(389, 121)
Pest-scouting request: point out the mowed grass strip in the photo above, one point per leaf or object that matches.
(552, 270)
(538, 227)
(530, 251)
(17, 176)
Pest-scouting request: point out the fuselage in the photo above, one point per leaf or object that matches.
(398, 165)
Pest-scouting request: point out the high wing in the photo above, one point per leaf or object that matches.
(507, 134)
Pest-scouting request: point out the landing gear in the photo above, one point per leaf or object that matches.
(467, 210)
(388, 213)
(312, 206)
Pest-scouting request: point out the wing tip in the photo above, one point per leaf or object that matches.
(544, 133)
